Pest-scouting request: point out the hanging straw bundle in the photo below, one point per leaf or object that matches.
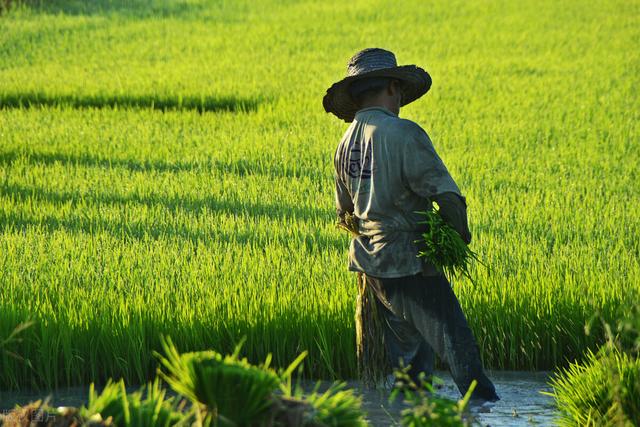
(373, 364)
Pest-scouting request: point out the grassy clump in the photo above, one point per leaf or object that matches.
(219, 391)
(443, 247)
(228, 387)
(118, 408)
(337, 406)
(229, 391)
(604, 390)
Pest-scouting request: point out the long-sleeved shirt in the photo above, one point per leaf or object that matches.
(386, 170)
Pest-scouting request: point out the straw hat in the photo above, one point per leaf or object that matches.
(374, 62)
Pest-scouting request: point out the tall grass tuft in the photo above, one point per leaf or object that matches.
(230, 391)
(229, 388)
(602, 391)
(118, 408)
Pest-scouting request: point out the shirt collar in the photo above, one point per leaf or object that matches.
(377, 108)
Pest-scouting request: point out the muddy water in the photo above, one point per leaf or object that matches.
(521, 402)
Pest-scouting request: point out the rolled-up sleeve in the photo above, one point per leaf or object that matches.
(423, 170)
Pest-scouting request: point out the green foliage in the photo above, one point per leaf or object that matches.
(425, 408)
(223, 390)
(337, 406)
(126, 213)
(132, 410)
(229, 388)
(13, 338)
(444, 248)
(232, 392)
(602, 391)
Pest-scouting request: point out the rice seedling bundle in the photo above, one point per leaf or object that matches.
(146, 407)
(444, 248)
(230, 388)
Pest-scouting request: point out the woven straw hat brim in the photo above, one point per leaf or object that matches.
(415, 83)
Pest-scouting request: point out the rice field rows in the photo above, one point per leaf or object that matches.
(166, 168)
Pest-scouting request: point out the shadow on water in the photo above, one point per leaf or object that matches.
(239, 167)
(156, 102)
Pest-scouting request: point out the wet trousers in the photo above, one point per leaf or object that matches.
(422, 318)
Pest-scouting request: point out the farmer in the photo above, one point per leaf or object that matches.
(386, 170)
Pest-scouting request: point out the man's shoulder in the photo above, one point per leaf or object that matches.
(404, 128)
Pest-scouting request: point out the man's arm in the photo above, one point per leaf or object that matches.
(428, 177)
(344, 204)
(453, 209)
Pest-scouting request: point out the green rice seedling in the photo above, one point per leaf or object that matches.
(163, 190)
(14, 338)
(336, 407)
(425, 408)
(604, 390)
(12, 349)
(443, 247)
(115, 406)
(628, 332)
(624, 334)
(230, 389)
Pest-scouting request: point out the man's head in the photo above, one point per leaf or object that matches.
(377, 91)
(374, 78)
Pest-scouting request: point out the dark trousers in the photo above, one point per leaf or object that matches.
(423, 318)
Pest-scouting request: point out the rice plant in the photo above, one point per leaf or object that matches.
(336, 406)
(147, 407)
(165, 169)
(230, 389)
(602, 391)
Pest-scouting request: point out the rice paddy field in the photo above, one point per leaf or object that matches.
(166, 169)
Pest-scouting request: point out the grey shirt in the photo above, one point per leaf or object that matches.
(386, 170)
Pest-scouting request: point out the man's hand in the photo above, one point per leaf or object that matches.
(349, 222)
(453, 209)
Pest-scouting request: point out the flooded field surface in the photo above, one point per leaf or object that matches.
(521, 402)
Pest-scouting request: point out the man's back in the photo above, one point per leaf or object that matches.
(386, 171)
